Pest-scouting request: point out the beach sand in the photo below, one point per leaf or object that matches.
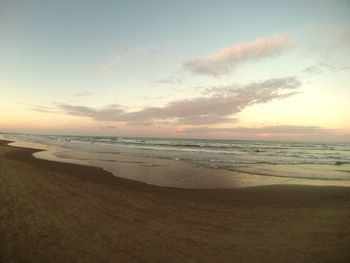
(56, 212)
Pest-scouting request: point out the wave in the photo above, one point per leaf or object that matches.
(205, 151)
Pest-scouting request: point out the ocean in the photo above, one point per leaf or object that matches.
(303, 160)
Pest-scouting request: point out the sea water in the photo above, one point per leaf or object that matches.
(305, 160)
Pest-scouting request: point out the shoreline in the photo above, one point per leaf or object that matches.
(179, 173)
(101, 175)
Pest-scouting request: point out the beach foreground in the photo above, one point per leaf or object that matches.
(56, 212)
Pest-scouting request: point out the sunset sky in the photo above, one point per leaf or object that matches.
(198, 69)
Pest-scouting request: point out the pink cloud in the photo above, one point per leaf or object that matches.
(228, 58)
(215, 105)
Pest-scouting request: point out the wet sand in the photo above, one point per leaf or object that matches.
(56, 212)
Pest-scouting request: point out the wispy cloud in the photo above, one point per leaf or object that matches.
(340, 35)
(123, 54)
(271, 132)
(44, 109)
(168, 80)
(216, 105)
(228, 58)
(345, 36)
(107, 127)
(108, 113)
(325, 67)
(277, 129)
(82, 94)
(314, 69)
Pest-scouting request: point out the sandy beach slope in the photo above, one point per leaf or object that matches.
(55, 212)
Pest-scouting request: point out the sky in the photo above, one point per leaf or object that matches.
(271, 70)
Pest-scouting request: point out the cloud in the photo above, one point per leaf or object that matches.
(277, 129)
(281, 132)
(107, 113)
(345, 37)
(43, 109)
(82, 94)
(107, 127)
(228, 58)
(313, 70)
(122, 52)
(216, 105)
(334, 67)
(340, 35)
(125, 54)
(168, 80)
(325, 67)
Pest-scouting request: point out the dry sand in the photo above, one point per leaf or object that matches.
(54, 212)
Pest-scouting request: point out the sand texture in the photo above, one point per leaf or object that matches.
(55, 212)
